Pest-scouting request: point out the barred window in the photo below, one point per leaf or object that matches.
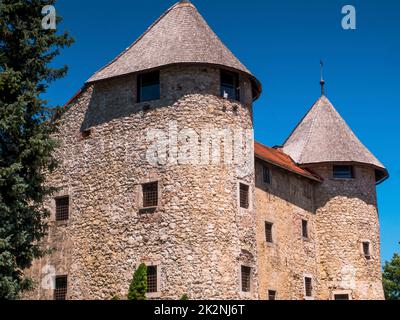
(266, 175)
(268, 232)
(60, 291)
(271, 295)
(246, 276)
(367, 250)
(62, 209)
(150, 195)
(152, 279)
(244, 196)
(308, 286)
(304, 227)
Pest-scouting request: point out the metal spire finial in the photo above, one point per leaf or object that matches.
(322, 82)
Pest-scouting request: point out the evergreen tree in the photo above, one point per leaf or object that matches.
(138, 287)
(391, 278)
(26, 125)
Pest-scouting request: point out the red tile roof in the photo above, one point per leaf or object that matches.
(282, 160)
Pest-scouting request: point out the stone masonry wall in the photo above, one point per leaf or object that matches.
(285, 202)
(347, 216)
(197, 236)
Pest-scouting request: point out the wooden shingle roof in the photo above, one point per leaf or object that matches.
(323, 136)
(179, 36)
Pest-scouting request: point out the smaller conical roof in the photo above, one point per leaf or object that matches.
(323, 136)
(179, 36)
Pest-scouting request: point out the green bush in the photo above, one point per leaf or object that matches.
(138, 286)
(184, 297)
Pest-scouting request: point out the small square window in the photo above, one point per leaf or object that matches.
(304, 228)
(152, 279)
(62, 208)
(230, 85)
(343, 172)
(308, 287)
(150, 195)
(244, 196)
(367, 250)
(271, 295)
(60, 291)
(86, 133)
(266, 175)
(148, 86)
(246, 278)
(268, 232)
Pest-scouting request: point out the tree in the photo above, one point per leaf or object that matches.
(26, 126)
(391, 278)
(138, 287)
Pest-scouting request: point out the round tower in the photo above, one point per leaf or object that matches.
(163, 139)
(348, 234)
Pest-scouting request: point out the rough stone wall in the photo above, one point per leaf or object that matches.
(285, 202)
(347, 216)
(198, 237)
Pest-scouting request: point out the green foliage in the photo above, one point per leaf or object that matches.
(138, 287)
(184, 297)
(26, 125)
(391, 278)
(116, 297)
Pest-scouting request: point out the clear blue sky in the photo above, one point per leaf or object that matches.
(281, 42)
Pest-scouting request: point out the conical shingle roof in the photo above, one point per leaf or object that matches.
(323, 136)
(180, 35)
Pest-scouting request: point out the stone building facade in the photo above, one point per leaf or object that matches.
(159, 166)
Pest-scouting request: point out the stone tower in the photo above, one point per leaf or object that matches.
(142, 175)
(347, 224)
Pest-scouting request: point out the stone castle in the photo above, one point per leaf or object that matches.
(301, 224)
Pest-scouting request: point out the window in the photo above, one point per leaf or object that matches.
(86, 133)
(343, 172)
(366, 250)
(148, 86)
(152, 279)
(246, 276)
(304, 228)
(271, 295)
(308, 287)
(230, 85)
(150, 195)
(341, 297)
(266, 175)
(268, 232)
(244, 196)
(60, 291)
(62, 209)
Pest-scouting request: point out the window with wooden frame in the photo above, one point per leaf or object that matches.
(150, 194)
(271, 295)
(60, 290)
(244, 195)
(366, 246)
(148, 86)
(268, 232)
(343, 172)
(230, 87)
(62, 208)
(152, 281)
(304, 228)
(266, 175)
(308, 288)
(246, 278)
